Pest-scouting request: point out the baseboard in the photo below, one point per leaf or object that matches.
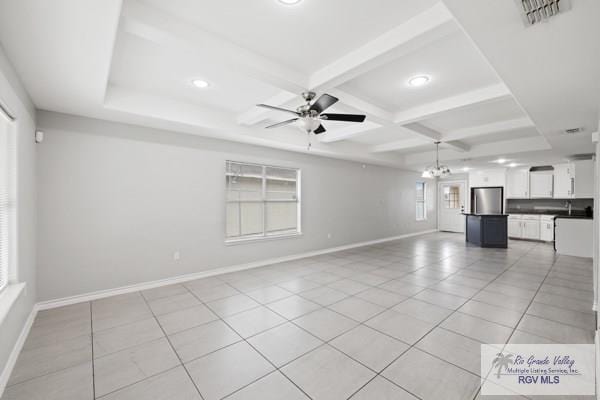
(14, 354)
(597, 348)
(44, 305)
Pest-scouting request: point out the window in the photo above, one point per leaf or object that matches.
(451, 197)
(262, 201)
(6, 179)
(421, 201)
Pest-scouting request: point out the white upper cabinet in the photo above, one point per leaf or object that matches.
(574, 180)
(541, 184)
(583, 172)
(517, 183)
(487, 178)
(564, 181)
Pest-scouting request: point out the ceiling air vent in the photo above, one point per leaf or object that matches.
(579, 157)
(572, 131)
(536, 11)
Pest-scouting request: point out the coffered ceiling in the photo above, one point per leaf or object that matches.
(497, 88)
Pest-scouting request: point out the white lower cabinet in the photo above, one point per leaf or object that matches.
(514, 228)
(532, 227)
(547, 228)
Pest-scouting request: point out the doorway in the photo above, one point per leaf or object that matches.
(451, 205)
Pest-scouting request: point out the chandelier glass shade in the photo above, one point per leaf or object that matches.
(437, 170)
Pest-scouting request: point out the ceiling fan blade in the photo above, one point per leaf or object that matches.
(277, 109)
(343, 117)
(323, 102)
(319, 130)
(277, 125)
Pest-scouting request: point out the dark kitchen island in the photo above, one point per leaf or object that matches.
(487, 230)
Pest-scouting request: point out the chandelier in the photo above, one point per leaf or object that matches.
(437, 170)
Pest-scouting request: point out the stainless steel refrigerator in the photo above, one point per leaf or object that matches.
(487, 200)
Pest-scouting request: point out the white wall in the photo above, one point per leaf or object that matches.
(17, 101)
(115, 202)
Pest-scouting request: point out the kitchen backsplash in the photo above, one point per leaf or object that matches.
(547, 206)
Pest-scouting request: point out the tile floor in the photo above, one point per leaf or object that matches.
(401, 320)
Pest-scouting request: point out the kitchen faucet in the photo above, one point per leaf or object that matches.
(568, 204)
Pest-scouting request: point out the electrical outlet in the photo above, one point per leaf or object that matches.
(176, 255)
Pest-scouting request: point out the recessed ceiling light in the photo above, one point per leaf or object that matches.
(466, 169)
(501, 160)
(512, 165)
(289, 2)
(419, 80)
(200, 83)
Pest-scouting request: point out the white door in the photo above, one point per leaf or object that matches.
(451, 206)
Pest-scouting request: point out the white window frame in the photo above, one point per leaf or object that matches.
(424, 201)
(265, 235)
(9, 231)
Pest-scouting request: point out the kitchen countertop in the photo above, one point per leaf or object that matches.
(578, 213)
(573, 217)
(486, 215)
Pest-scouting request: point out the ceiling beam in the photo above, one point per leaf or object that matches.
(432, 24)
(374, 112)
(435, 136)
(481, 95)
(399, 145)
(258, 114)
(348, 131)
(345, 134)
(428, 26)
(486, 129)
(535, 143)
(424, 111)
(151, 24)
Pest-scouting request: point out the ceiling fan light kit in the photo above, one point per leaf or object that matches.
(437, 170)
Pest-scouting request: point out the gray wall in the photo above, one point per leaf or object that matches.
(16, 99)
(115, 202)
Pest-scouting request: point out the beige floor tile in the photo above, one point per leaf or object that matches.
(371, 348)
(197, 342)
(132, 365)
(119, 338)
(174, 384)
(274, 386)
(414, 371)
(227, 370)
(284, 343)
(325, 373)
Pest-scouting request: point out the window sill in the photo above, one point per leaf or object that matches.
(8, 296)
(233, 242)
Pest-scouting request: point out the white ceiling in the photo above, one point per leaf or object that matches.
(454, 64)
(305, 37)
(498, 88)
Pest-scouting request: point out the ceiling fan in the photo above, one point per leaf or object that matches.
(311, 114)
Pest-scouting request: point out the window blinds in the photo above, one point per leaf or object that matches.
(262, 201)
(421, 210)
(6, 158)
